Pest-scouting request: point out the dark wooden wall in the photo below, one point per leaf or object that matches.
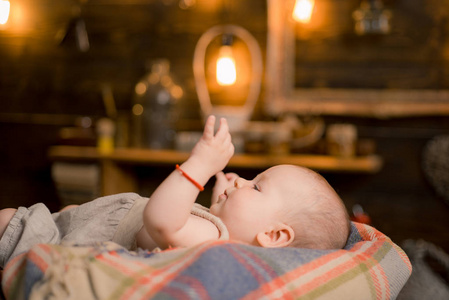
(42, 61)
(412, 56)
(46, 83)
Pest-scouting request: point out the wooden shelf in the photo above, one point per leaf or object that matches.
(362, 164)
(118, 176)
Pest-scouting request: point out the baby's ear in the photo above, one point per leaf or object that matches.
(278, 236)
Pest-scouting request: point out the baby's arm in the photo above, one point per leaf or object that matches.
(167, 215)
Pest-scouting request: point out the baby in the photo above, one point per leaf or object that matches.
(284, 206)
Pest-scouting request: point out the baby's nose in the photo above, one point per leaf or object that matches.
(240, 182)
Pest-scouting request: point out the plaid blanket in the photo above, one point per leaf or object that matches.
(370, 267)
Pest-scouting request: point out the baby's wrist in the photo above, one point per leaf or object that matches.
(199, 169)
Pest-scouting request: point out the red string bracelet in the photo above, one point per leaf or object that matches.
(199, 186)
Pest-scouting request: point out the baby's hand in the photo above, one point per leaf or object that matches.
(213, 152)
(222, 182)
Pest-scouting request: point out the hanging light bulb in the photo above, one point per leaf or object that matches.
(226, 73)
(4, 11)
(302, 11)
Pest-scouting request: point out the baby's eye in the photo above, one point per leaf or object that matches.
(256, 188)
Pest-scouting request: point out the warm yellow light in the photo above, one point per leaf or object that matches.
(226, 71)
(4, 11)
(137, 109)
(140, 88)
(303, 10)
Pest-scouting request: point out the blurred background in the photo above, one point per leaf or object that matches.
(120, 75)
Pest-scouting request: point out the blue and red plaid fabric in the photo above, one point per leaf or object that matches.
(370, 267)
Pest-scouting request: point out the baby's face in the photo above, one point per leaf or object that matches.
(252, 206)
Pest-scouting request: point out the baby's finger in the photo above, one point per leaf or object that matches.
(223, 129)
(209, 127)
(230, 176)
(227, 138)
(220, 175)
(227, 141)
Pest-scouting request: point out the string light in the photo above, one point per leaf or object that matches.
(302, 11)
(4, 11)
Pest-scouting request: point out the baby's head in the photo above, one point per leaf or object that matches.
(284, 206)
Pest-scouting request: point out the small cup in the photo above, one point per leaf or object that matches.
(341, 140)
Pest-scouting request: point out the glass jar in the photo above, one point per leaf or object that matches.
(154, 112)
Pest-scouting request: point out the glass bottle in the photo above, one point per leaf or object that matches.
(154, 110)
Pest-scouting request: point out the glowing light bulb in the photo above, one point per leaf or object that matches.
(4, 11)
(226, 71)
(303, 10)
